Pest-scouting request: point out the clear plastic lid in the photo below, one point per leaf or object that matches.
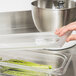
(31, 41)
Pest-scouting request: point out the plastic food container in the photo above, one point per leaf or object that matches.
(29, 55)
(33, 62)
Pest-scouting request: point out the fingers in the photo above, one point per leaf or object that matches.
(58, 31)
(63, 30)
(71, 37)
(72, 26)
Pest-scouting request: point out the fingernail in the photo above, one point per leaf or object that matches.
(60, 35)
(67, 40)
(56, 33)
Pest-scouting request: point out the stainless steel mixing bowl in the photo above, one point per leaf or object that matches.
(48, 15)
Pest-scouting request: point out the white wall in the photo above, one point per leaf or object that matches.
(15, 5)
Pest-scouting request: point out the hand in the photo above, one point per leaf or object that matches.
(70, 27)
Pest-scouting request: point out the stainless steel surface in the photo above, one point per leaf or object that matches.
(50, 18)
(16, 22)
(71, 3)
(55, 4)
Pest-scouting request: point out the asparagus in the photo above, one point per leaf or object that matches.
(21, 72)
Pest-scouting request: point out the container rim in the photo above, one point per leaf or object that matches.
(59, 49)
(21, 46)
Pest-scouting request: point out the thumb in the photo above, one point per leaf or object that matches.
(71, 37)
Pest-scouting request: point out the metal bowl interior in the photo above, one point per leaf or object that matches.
(55, 4)
(47, 19)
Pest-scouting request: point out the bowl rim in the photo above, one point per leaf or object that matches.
(63, 9)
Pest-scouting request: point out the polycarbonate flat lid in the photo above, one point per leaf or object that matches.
(33, 41)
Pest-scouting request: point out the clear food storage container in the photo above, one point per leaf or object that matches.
(28, 55)
(33, 62)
